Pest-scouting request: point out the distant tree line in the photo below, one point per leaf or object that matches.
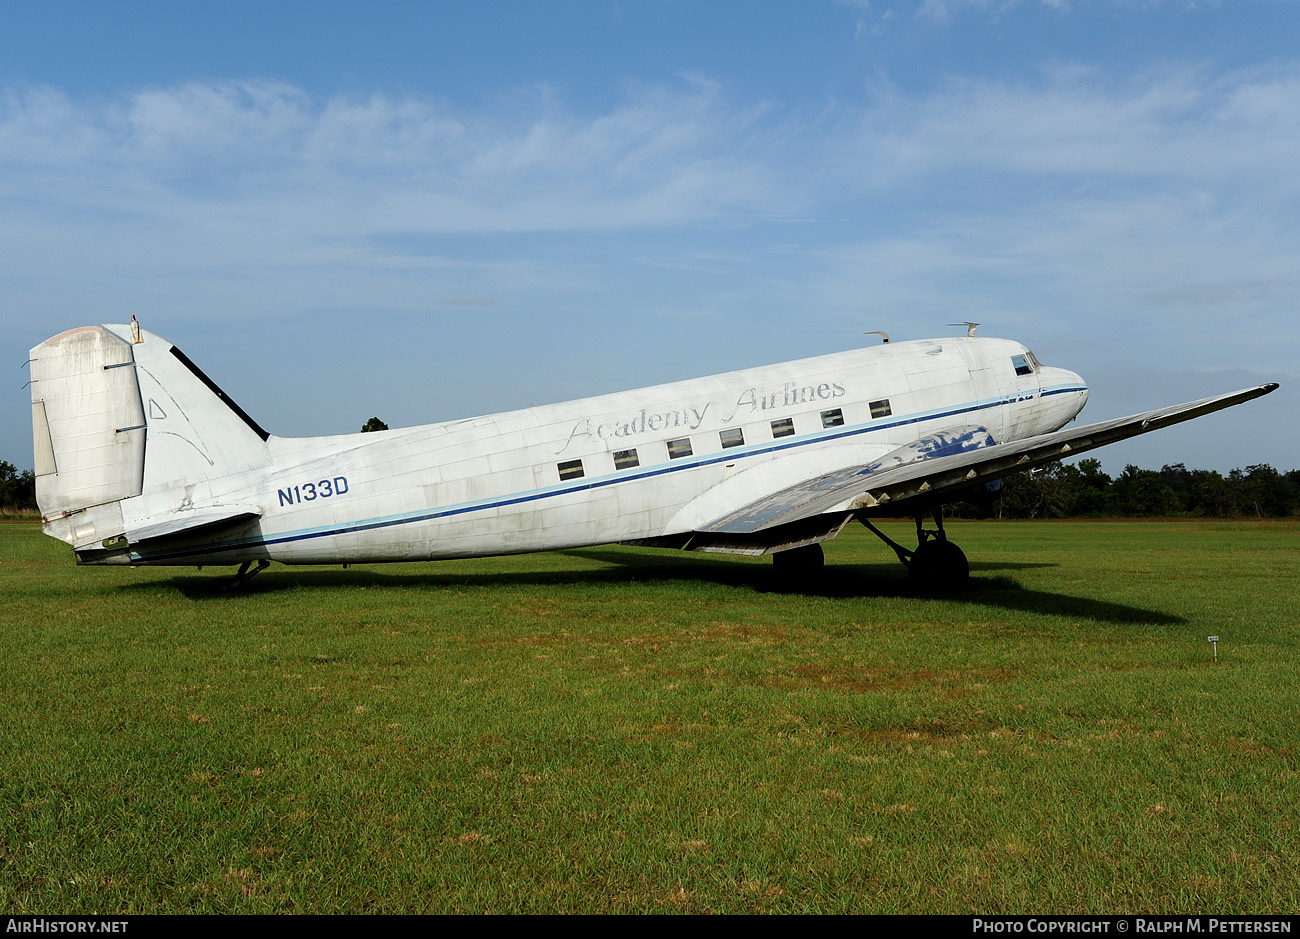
(17, 490)
(1061, 490)
(1058, 490)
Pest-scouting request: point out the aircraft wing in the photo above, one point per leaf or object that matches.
(868, 490)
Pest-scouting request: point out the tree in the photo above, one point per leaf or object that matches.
(1057, 490)
(1265, 491)
(1142, 492)
(17, 490)
(373, 425)
(1047, 492)
(1093, 494)
(1181, 482)
(1211, 495)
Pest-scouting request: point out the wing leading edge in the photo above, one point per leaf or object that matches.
(875, 489)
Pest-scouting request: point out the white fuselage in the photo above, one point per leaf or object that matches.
(635, 465)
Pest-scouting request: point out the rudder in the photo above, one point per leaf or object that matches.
(88, 431)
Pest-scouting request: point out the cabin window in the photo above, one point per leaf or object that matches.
(679, 448)
(625, 459)
(732, 438)
(832, 418)
(881, 408)
(571, 469)
(1022, 365)
(783, 428)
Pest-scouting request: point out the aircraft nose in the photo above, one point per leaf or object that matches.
(1070, 387)
(1082, 386)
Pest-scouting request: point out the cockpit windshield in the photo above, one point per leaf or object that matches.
(1026, 364)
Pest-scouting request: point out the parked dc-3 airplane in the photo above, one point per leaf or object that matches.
(142, 459)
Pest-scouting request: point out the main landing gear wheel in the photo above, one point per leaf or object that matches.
(939, 565)
(798, 564)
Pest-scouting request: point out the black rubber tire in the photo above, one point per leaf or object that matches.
(939, 566)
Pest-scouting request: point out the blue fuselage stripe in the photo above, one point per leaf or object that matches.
(677, 466)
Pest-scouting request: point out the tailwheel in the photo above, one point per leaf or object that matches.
(798, 564)
(247, 572)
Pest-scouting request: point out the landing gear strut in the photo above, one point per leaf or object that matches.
(247, 572)
(937, 564)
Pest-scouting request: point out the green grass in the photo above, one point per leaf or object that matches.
(611, 730)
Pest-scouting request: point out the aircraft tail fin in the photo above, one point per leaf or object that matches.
(118, 412)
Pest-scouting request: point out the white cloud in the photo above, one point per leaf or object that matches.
(941, 12)
(663, 157)
(1162, 125)
(1077, 207)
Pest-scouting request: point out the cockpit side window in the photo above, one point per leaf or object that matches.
(1022, 365)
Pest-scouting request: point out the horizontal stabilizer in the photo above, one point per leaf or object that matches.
(873, 490)
(185, 524)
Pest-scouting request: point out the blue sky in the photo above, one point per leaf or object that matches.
(426, 211)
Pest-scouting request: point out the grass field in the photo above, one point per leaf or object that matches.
(611, 730)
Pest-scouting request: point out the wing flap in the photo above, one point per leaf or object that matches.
(785, 506)
(796, 534)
